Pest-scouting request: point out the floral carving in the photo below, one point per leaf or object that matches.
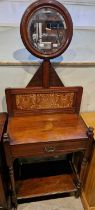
(44, 101)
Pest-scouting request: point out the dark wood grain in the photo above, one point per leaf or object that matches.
(39, 132)
(3, 178)
(3, 120)
(46, 135)
(37, 79)
(46, 72)
(45, 186)
(41, 100)
(46, 128)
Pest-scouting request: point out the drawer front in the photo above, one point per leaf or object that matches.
(48, 149)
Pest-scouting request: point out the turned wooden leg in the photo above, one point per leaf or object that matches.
(77, 194)
(87, 154)
(10, 167)
(76, 178)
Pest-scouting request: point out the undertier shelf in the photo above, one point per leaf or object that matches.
(44, 179)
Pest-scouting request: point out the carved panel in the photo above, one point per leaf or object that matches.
(44, 101)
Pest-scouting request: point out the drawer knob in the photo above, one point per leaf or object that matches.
(49, 149)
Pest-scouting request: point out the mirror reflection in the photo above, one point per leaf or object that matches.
(47, 30)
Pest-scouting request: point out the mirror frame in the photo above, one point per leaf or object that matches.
(53, 4)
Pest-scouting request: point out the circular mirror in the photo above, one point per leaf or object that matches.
(46, 28)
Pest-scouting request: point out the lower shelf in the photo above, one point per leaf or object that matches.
(45, 186)
(46, 179)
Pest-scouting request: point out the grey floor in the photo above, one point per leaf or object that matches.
(68, 203)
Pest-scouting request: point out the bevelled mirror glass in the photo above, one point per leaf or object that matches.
(47, 30)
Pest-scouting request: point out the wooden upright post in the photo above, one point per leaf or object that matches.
(46, 68)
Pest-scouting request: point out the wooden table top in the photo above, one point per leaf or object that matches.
(44, 128)
(89, 118)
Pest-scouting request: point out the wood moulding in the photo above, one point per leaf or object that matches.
(64, 64)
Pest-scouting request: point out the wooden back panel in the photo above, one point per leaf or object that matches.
(38, 100)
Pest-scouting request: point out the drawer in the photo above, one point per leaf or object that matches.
(48, 148)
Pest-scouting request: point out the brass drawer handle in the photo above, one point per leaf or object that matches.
(49, 149)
